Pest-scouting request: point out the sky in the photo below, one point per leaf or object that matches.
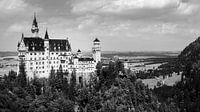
(120, 25)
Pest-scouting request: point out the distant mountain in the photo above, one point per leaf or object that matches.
(110, 54)
(7, 53)
(191, 53)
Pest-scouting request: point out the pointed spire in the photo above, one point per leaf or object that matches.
(35, 28)
(46, 35)
(79, 51)
(22, 35)
(35, 20)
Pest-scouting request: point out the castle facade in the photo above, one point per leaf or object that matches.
(40, 55)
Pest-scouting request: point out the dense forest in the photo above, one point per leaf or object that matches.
(110, 89)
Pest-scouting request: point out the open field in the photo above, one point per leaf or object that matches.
(7, 64)
(170, 81)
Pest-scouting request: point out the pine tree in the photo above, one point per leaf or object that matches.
(72, 88)
(21, 79)
(52, 78)
(65, 87)
(59, 79)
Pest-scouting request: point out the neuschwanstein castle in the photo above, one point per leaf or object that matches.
(40, 54)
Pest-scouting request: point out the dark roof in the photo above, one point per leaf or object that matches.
(75, 57)
(37, 44)
(79, 50)
(96, 40)
(46, 35)
(34, 44)
(85, 59)
(59, 45)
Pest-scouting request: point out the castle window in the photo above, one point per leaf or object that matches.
(42, 62)
(30, 58)
(35, 53)
(62, 61)
(31, 63)
(31, 68)
(42, 53)
(35, 58)
(36, 63)
(52, 53)
(30, 53)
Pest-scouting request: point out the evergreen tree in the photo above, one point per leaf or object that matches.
(98, 68)
(59, 79)
(22, 79)
(37, 84)
(72, 87)
(65, 87)
(52, 78)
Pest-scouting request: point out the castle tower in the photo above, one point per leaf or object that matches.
(96, 50)
(47, 55)
(35, 28)
(22, 48)
(79, 54)
(46, 41)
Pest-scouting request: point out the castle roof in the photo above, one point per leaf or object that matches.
(96, 40)
(85, 59)
(37, 44)
(79, 50)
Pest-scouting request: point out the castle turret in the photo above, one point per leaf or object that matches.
(47, 55)
(35, 28)
(79, 54)
(46, 41)
(22, 48)
(96, 50)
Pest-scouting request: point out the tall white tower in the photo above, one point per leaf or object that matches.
(96, 50)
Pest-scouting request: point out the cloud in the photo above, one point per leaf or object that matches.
(187, 8)
(117, 6)
(88, 21)
(16, 28)
(17, 7)
(12, 5)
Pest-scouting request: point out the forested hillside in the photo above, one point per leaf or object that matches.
(185, 94)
